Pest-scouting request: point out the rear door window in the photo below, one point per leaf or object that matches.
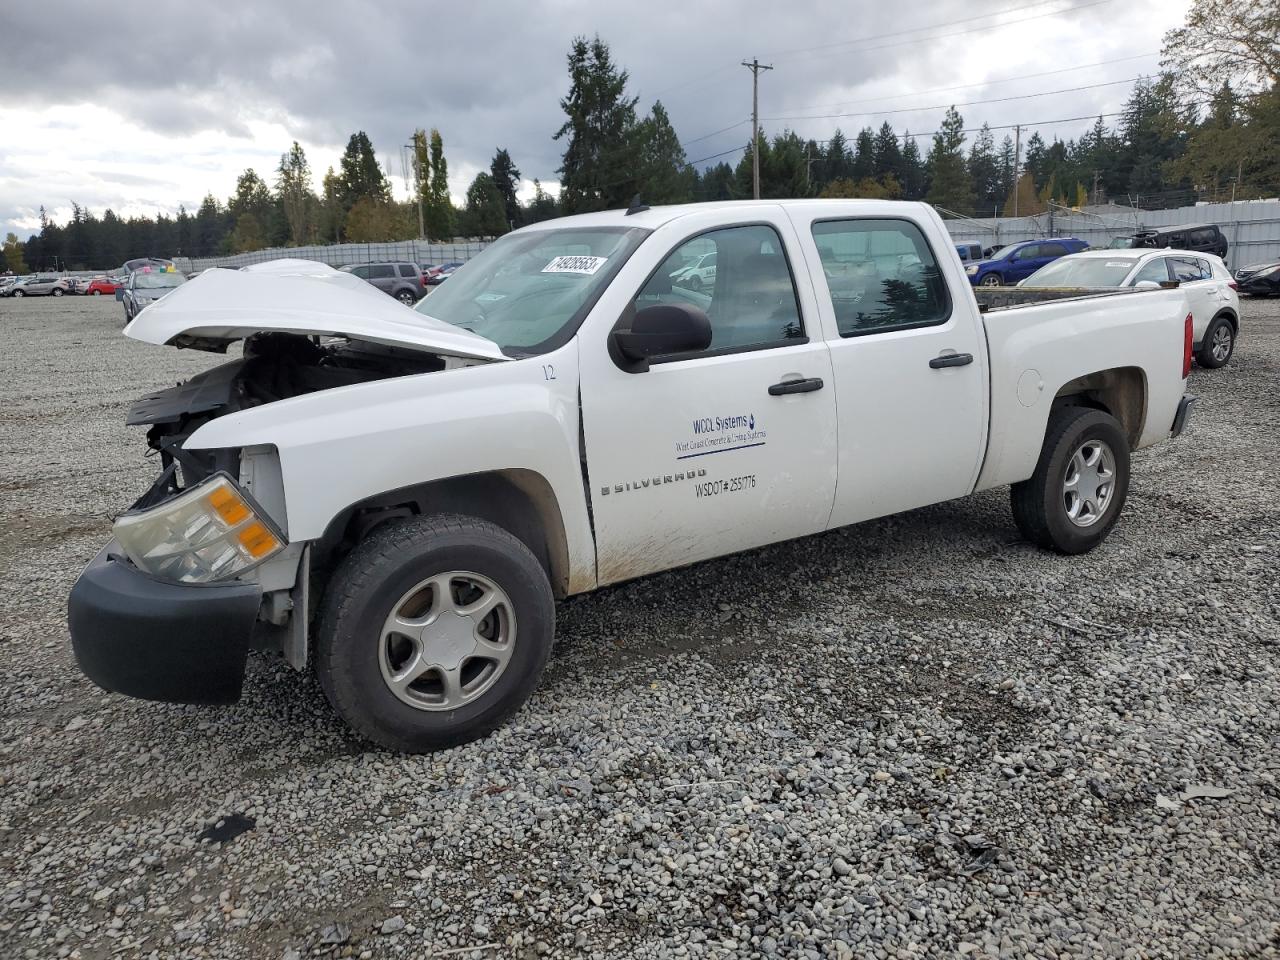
(381, 271)
(1156, 270)
(1185, 269)
(1052, 250)
(881, 276)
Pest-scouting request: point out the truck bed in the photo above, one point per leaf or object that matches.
(1011, 298)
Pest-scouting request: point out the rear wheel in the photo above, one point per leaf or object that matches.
(1218, 345)
(96, 293)
(57, 291)
(1078, 489)
(18, 293)
(407, 298)
(433, 631)
(991, 280)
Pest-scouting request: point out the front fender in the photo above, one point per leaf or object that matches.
(342, 446)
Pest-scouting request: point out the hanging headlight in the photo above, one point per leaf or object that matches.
(210, 532)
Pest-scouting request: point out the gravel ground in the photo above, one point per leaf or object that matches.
(915, 737)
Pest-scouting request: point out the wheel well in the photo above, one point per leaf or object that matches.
(1232, 319)
(519, 501)
(1121, 392)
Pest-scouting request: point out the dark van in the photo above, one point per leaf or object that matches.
(1201, 237)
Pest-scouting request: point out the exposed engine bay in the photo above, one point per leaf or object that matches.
(275, 366)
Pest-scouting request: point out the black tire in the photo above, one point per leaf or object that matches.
(1205, 356)
(991, 280)
(96, 293)
(407, 298)
(57, 292)
(18, 293)
(1039, 504)
(372, 579)
(695, 283)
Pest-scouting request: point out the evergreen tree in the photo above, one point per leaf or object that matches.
(864, 155)
(984, 172)
(439, 207)
(836, 162)
(887, 154)
(485, 213)
(949, 184)
(251, 209)
(664, 176)
(914, 175)
(1034, 160)
(333, 214)
(1005, 162)
(506, 179)
(718, 183)
(598, 168)
(209, 228)
(361, 175)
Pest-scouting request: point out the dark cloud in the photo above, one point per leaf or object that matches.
(492, 74)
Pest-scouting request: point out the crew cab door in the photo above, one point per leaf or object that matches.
(723, 450)
(908, 355)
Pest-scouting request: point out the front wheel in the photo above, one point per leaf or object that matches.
(96, 293)
(57, 292)
(433, 631)
(991, 280)
(18, 293)
(1078, 489)
(1218, 345)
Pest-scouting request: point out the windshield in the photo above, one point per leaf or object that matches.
(156, 280)
(1122, 243)
(1084, 272)
(527, 292)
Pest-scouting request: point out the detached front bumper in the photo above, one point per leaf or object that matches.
(1184, 413)
(157, 640)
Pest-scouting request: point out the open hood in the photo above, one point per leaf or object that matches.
(296, 296)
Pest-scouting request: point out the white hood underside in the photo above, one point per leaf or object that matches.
(296, 296)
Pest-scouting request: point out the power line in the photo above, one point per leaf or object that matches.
(969, 103)
(707, 136)
(955, 33)
(986, 83)
(722, 153)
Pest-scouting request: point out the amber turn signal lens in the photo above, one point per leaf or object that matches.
(257, 539)
(229, 507)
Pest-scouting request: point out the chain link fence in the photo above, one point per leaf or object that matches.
(342, 254)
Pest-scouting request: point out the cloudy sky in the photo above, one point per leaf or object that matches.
(144, 113)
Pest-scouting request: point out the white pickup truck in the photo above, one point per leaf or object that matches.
(399, 496)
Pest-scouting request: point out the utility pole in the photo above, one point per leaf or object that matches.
(1097, 197)
(1017, 162)
(755, 66)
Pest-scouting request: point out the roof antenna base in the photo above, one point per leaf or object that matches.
(637, 205)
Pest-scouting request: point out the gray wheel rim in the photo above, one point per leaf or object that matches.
(1090, 483)
(990, 280)
(1220, 345)
(447, 641)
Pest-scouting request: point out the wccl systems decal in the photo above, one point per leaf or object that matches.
(721, 435)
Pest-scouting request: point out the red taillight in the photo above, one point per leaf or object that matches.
(1233, 285)
(1186, 348)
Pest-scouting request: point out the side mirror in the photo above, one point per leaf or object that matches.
(1146, 285)
(120, 293)
(662, 329)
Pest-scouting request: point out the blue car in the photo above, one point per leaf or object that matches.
(1020, 260)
